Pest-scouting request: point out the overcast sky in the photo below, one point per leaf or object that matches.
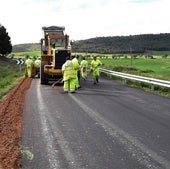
(84, 19)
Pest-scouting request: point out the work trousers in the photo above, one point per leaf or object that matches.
(69, 85)
(76, 80)
(29, 71)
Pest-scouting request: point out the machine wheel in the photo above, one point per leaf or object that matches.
(43, 76)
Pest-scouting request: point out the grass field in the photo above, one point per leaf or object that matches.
(24, 54)
(158, 68)
(10, 74)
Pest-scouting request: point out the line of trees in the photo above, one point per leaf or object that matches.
(5, 42)
(124, 44)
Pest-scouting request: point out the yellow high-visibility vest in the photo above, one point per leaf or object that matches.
(68, 70)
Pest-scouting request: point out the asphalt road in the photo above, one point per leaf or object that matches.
(103, 126)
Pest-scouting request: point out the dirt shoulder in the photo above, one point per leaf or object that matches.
(11, 116)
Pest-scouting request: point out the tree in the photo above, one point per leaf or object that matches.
(5, 42)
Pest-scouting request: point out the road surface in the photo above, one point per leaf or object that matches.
(103, 126)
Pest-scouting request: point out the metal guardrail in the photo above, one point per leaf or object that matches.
(149, 80)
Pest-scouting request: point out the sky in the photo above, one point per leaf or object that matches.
(84, 19)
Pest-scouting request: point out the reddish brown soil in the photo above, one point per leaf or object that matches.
(11, 109)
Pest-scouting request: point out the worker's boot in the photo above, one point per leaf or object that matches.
(97, 79)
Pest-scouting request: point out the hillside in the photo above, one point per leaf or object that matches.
(27, 47)
(124, 44)
(114, 44)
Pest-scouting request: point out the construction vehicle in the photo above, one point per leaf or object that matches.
(55, 48)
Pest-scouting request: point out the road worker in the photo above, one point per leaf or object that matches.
(29, 65)
(95, 69)
(84, 66)
(69, 75)
(37, 65)
(77, 68)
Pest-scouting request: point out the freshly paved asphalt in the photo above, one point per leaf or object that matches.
(103, 126)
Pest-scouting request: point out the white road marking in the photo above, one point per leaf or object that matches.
(49, 140)
(48, 123)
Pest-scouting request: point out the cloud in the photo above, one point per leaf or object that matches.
(84, 18)
(143, 1)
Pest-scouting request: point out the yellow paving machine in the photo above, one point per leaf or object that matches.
(55, 47)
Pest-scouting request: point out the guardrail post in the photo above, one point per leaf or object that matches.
(125, 80)
(152, 87)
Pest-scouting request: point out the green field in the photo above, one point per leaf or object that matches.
(158, 68)
(24, 54)
(10, 74)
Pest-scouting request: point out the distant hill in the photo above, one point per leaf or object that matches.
(114, 44)
(124, 44)
(27, 47)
